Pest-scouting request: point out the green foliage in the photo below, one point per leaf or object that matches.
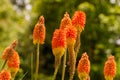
(11, 25)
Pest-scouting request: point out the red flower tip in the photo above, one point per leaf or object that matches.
(59, 42)
(5, 75)
(39, 32)
(110, 68)
(71, 34)
(66, 21)
(78, 20)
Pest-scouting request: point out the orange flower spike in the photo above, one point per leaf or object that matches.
(66, 21)
(5, 75)
(39, 32)
(14, 63)
(79, 20)
(84, 67)
(110, 68)
(7, 53)
(59, 42)
(71, 34)
(58, 48)
(14, 60)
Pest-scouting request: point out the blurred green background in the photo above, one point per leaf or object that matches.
(100, 38)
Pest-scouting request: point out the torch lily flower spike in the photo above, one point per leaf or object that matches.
(38, 38)
(58, 48)
(84, 67)
(39, 31)
(110, 68)
(5, 75)
(78, 21)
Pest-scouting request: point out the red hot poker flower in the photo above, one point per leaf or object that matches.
(110, 68)
(58, 47)
(14, 60)
(66, 21)
(5, 75)
(78, 20)
(39, 32)
(59, 42)
(71, 39)
(71, 34)
(13, 63)
(8, 52)
(84, 67)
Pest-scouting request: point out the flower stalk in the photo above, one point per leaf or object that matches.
(64, 65)
(78, 43)
(72, 61)
(31, 66)
(37, 62)
(57, 65)
(4, 63)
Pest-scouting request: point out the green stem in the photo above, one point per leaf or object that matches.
(55, 73)
(64, 65)
(3, 65)
(57, 64)
(31, 66)
(23, 76)
(37, 62)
